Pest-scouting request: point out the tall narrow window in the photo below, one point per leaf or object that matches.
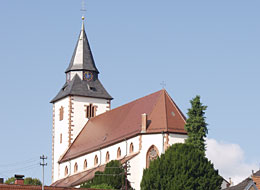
(61, 113)
(131, 148)
(66, 171)
(107, 157)
(90, 111)
(96, 160)
(75, 167)
(85, 164)
(118, 152)
(60, 138)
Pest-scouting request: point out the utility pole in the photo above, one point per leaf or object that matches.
(43, 164)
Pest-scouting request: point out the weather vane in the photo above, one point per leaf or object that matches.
(163, 84)
(83, 9)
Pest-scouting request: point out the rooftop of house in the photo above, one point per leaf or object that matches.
(247, 184)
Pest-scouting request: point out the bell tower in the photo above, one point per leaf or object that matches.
(80, 98)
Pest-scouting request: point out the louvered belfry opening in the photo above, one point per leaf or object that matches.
(90, 111)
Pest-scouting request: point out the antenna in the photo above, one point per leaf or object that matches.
(83, 8)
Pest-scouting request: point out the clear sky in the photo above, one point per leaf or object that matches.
(202, 47)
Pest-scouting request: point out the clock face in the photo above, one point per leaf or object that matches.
(88, 76)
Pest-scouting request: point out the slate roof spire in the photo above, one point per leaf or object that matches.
(82, 62)
(82, 58)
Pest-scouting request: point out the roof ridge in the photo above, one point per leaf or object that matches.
(164, 93)
(138, 99)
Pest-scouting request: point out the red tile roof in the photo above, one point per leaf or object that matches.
(125, 122)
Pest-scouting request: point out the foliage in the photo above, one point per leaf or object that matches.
(196, 125)
(10, 180)
(102, 186)
(27, 181)
(181, 167)
(32, 181)
(112, 176)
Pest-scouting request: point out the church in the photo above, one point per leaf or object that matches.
(87, 133)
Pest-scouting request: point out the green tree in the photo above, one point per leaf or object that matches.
(113, 176)
(102, 186)
(27, 181)
(181, 167)
(32, 181)
(196, 125)
(10, 180)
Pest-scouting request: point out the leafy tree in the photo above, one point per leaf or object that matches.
(113, 176)
(102, 186)
(27, 181)
(181, 167)
(10, 180)
(32, 181)
(196, 125)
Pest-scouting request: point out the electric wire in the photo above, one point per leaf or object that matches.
(14, 164)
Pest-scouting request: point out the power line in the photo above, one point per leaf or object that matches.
(21, 168)
(19, 163)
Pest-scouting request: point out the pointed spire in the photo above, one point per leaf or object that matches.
(82, 59)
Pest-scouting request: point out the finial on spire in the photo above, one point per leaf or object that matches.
(83, 9)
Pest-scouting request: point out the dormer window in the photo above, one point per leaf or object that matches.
(90, 111)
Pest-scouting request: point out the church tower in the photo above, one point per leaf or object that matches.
(81, 97)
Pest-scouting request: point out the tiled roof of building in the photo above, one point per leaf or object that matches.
(125, 122)
(244, 185)
(78, 87)
(257, 173)
(256, 178)
(79, 178)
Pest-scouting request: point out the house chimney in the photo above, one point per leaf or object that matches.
(1, 180)
(19, 179)
(144, 122)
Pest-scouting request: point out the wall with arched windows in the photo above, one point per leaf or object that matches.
(124, 146)
(147, 143)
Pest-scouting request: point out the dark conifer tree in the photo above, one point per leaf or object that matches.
(181, 167)
(196, 125)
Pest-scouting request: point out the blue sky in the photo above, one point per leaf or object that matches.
(209, 48)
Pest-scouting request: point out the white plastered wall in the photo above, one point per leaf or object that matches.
(79, 111)
(137, 163)
(124, 146)
(61, 127)
(73, 73)
(78, 121)
(176, 138)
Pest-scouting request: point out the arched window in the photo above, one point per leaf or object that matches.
(66, 171)
(90, 111)
(96, 160)
(75, 167)
(85, 164)
(118, 152)
(151, 155)
(107, 156)
(131, 150)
